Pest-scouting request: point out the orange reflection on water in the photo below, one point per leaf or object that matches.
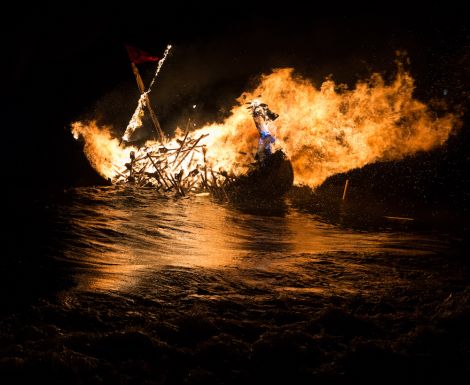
(111, 278)
(125, 236)
(120, 244)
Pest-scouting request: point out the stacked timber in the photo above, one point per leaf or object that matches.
(174, 169)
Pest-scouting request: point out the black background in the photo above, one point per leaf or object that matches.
(66, 62)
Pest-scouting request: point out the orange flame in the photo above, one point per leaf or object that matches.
(102, 150)
(323, 131)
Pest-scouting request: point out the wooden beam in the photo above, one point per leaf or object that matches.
(345, 190)
(153, 116)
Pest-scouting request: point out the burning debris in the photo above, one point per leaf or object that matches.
(182, 167)
(174, 169)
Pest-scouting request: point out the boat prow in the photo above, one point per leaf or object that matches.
(269, 179)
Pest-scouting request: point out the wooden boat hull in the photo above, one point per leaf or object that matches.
(270, 179)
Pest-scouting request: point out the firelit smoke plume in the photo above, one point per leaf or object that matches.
(323, 131)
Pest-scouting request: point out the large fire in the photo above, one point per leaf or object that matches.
(324, 131)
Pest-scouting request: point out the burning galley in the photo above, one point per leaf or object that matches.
(319, 132)
(180, 166)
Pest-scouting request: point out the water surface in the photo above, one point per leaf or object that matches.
(150, 289)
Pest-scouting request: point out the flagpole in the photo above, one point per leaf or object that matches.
(153, 116)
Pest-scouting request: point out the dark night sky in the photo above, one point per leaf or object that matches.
(66, 62)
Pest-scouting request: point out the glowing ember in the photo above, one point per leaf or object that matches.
(323, 131)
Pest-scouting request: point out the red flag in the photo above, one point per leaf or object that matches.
(138, 56)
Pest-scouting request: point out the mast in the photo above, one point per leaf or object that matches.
(153, 116)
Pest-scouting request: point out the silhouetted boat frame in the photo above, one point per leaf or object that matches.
(269, 179)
